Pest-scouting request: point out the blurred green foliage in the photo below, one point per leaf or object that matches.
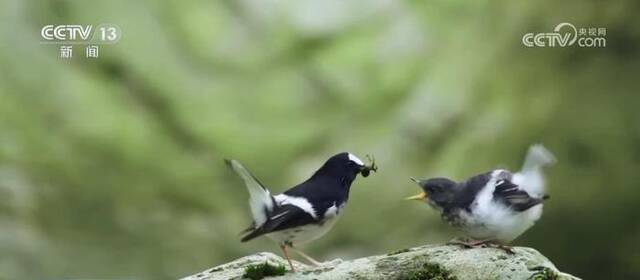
(112, 168)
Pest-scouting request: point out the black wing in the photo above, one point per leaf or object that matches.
(283, 217)
(508, 193)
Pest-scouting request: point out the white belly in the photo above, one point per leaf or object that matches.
(299, 235)
(499, 222)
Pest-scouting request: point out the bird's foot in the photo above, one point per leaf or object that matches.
(507, 249)
(311, 260)
(467, 243)
(472, 243)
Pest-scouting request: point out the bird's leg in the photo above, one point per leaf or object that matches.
(307, 257)
(286, 255)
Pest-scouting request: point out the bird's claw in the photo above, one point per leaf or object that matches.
(505, 248)
(469, 244)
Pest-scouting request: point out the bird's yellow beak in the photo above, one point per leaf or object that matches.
(421, 196)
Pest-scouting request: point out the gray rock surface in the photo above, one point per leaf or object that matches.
(425, 262)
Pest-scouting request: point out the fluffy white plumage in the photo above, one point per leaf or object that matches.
(489, 219)
(495, 221)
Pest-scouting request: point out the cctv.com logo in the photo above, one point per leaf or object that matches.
(565, 35)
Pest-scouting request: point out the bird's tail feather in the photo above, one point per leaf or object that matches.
(250, 228)
(251, 235)
(260, 199)
(530, 178)
(537, 156)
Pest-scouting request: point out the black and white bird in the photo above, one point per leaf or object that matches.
(492, 208)
(306, 211)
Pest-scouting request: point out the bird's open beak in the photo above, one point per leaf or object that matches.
(366, 169)
(422, 196)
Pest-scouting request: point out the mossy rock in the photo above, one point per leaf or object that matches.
(435, 262)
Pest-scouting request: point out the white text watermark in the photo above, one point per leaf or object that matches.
(68, 35)
(566, 35)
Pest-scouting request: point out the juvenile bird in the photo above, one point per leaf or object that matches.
(492, 208)
(306, 211)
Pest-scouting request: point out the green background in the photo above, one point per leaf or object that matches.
(112, 167)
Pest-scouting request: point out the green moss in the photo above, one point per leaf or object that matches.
(543, 273)
(398, 252)
(428, 271)
(259, 271)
